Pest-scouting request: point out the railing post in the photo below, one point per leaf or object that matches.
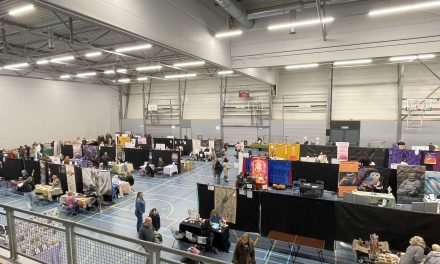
(11, 233)
(70, 243)
(154, 256)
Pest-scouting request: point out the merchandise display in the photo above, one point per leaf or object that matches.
(47, 191)
(410, 183)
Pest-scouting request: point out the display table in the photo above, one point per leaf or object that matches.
(82, 201)
(47, 191)
(377, 198)
(118, 168)
(221, 236)
(170, 169)
(311, 190)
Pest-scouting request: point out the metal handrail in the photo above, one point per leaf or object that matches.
(154, 249)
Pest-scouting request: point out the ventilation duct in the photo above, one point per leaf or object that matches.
(235, 11)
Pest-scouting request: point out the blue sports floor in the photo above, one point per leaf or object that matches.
(173, 196)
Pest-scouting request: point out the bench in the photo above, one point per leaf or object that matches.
(299, 241)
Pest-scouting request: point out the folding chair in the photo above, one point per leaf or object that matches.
(177, 235)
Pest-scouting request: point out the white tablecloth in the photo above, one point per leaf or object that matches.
(170, 169)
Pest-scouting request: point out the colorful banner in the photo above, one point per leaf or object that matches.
(432, 183)
(430, 158)
(372, 179)
(342, 151)
(90, 152)
(284, 151)
(408, 156)
(71, 182)
(259, 169)
(348, 177)
(410, 184)
(142, 140)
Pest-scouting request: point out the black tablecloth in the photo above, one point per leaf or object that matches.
(311, 172)
(221, 237)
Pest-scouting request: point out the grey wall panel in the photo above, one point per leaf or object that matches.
(378, 131)
(428, 133)
(296, 130)
(136, 126)
(206, 128)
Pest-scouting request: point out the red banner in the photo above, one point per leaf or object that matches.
(259, 169)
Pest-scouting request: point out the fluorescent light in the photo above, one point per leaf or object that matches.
(109, 72)
(352, 62)
(149, 68)
(133, 48)
(65, 76)
(86, 74)
(300, 23)
(124, 80)
(404, 8)
(20, 10)
(226, 34)
(426, 56)
(41, 62)
(142, 78)
(15, 66)
(225, 72)
(188, 64)
(93, 54)
(413, 57)
(62, 59)
(180, 76)
(121, 70)
(302, 66)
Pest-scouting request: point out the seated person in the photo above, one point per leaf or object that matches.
(72, 203)
(250, 180)
(105, 159)
(241, 181)
(206, 231)
(56, 184)
(215, 217)
(149, 170)
(201, 155)
(160, 165)
(116, 191)
(128, 177)
(365, 161)
(24, 175)
(66, 160)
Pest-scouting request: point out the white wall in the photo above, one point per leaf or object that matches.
(45, 110)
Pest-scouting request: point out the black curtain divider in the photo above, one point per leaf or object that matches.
(166, 156)
(206, 200)
(67, 150)
(395, 226)
(12, 168)
(33, 168)
(315, 150)
(392, 182)
(78, 179)
(136, 156)
(187, 148)
(317, 171)
(143, 146)
(111, 152)
(167, 141)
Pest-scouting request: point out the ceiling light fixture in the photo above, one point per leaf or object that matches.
(133, 48)
(302, 66)
(352, 62)
(15, 66)
(93, 54)
(41, 62)
(300, 23)
(85, 74)
(62, 59)
(109, 72)
(21, 10)
(121, 70)
(404, 8)
(124, 80)
(426, 56)
(150, 68)
(413, 57)
(65, 76)
(180, 76)
(227, 34)
(188, 64)
(142, 78)
(225, 72)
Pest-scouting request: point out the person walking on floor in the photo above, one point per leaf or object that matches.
(139, 210)
(28, 188)
(244, 252)
(155, 217)
(218, 168)
(226, 167)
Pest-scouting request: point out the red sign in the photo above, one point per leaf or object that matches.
(259, 169)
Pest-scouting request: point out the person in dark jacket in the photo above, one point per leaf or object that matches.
(154, 215)
(415, 252)
(244, 252)
(28, 188)
(105, 159)
(146, 233)
(206, 231)
(218, 168)
(139, 210)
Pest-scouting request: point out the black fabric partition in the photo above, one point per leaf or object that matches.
(394, 226)
(167, 141)
(315, 150)
(33, 168)
(392, 181)
(111, 152)
(186, 144)
(12, 168)
(67, 150)
(166, 156)
(317, 171)
(302, 216)
(136, 156)
(247, 209)
(78, 180)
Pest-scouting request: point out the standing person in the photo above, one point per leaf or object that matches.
(146, 233)
(105, 159)
(415, 252)
(218, 167)
(140, 210)
(28, 191)
(244, 252)
(155, 217)
(226, 167)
